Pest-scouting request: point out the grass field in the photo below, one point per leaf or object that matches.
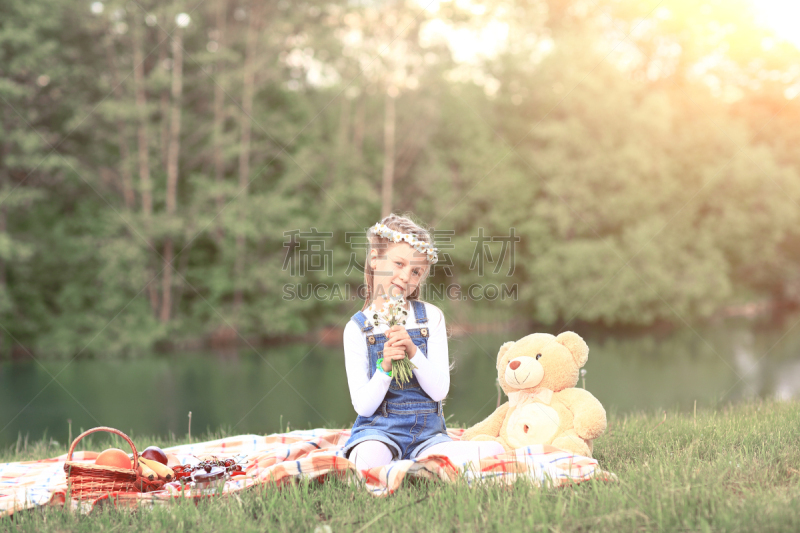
(736, 468)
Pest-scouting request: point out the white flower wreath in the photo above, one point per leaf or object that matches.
(426, 248)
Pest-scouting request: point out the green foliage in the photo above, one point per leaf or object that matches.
(644, 154)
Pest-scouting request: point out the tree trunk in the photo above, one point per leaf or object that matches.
(143, 143)
(388, 154)
(2, 262)
(408, 152)
(344, 126)
(183, 267)
(219, 115)
(122, 141)
(2, 232)
(172, 167)
(164, 103)
(360, 124)
(248, 87)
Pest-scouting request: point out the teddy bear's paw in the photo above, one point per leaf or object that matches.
(574, 444)
(590, 428)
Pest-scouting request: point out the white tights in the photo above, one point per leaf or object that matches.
(373, 453)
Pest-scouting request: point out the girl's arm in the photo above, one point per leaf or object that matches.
(365, 393)
(433, 372)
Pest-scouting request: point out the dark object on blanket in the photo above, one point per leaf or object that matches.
(154, 453)
(185, 471)
(209, 481)
(211, 474)
(88, 481)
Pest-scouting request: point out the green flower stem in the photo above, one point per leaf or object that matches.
(401, 370)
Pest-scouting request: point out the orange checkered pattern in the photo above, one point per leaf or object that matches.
(277, 459)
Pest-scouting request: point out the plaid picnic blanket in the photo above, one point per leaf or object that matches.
(287, 457)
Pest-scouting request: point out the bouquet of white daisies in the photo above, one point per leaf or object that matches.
(393, 314)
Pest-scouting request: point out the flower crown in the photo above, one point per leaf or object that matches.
(423, 247)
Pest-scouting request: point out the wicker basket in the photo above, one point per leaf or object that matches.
(89, 481)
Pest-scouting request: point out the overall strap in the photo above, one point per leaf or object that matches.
(360, 319)
(419, 311)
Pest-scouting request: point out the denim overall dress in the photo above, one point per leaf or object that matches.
(408, 420)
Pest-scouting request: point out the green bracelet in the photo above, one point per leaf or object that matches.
(379, 367)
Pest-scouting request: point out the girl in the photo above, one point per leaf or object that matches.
(400, 423)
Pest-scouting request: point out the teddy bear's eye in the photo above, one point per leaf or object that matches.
(538, 355)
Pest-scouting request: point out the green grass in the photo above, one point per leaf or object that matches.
(732, 469)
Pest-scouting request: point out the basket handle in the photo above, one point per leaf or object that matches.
(109, 430)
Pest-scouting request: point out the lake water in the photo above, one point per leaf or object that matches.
(306, 386)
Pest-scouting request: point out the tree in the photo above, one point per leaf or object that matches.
(173, 152)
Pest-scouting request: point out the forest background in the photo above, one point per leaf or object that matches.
(163, 164)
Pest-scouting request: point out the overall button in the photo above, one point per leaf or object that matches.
(371, 339)
(424, 332)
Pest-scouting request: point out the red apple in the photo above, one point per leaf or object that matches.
(154, 453)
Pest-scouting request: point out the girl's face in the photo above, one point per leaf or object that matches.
(399, 272)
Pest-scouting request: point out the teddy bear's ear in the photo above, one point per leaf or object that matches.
(503, 349)
(576, 346)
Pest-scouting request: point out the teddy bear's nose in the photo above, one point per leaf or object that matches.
(514, 365)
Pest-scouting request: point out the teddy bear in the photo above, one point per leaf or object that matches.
(539, 373)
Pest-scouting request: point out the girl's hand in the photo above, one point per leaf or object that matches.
(392, 353)
(398, 336)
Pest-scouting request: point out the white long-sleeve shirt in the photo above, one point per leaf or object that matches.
(433, 372)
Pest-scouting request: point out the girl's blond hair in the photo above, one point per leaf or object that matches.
(403, 224)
